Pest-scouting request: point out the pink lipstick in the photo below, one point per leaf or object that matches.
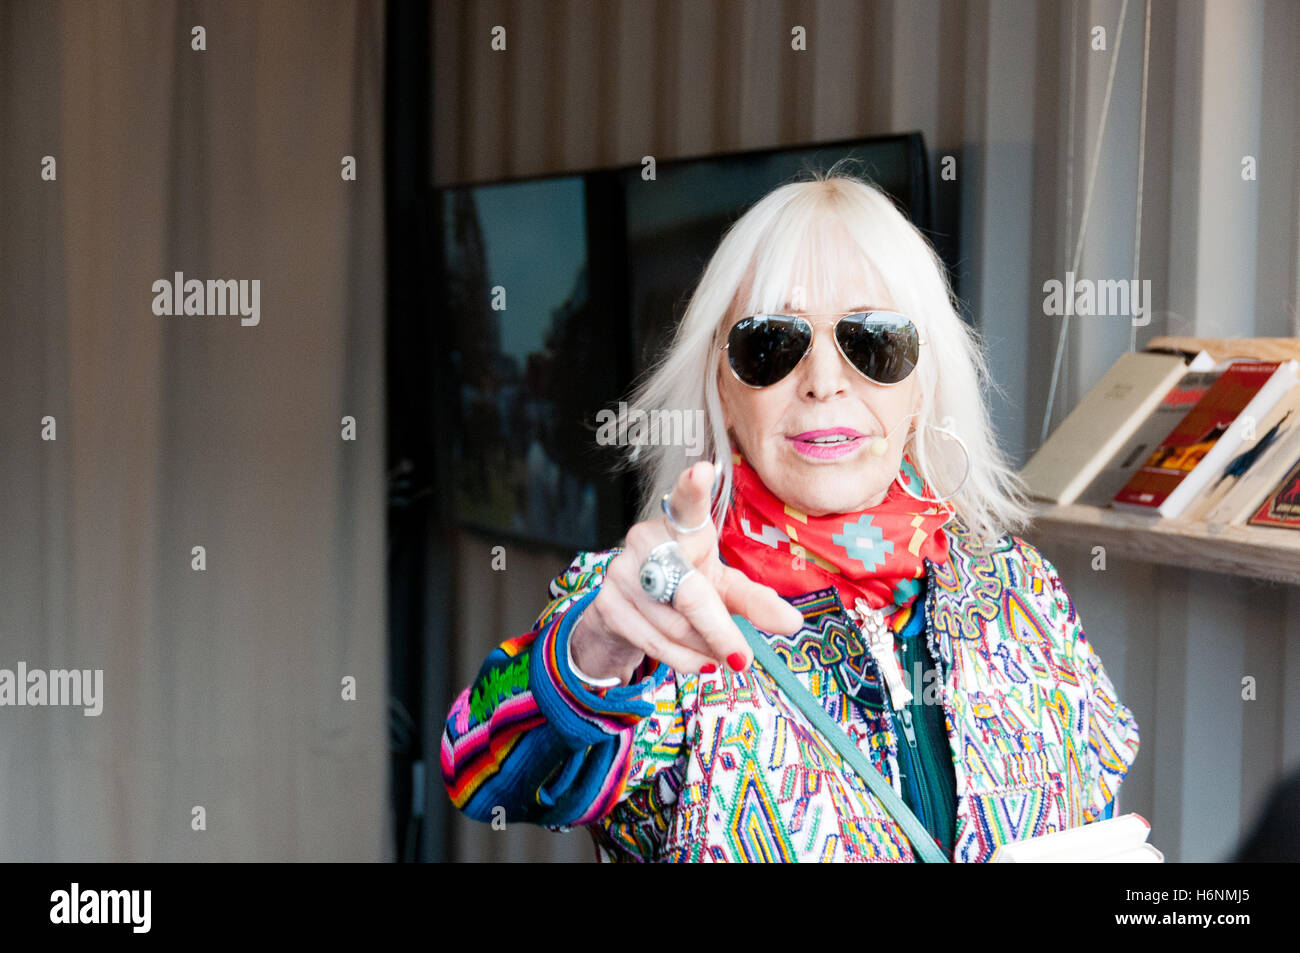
(827, 444)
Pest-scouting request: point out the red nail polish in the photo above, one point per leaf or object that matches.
(736, 661)
(708, 669)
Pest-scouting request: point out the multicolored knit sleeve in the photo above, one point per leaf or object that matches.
(1112, 729)
(532, 740)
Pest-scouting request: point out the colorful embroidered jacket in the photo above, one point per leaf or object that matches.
(723, 768)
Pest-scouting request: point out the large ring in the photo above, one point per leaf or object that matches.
(672, 520)
(663, 571)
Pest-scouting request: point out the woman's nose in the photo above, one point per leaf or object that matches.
(825, 373)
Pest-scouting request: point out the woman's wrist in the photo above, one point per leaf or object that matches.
(580, 645)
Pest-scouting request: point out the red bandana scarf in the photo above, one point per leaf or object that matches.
(877, 555)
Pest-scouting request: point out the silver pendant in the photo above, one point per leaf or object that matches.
(880, 643)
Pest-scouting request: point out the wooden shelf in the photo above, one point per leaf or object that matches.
(1260, 552)
(1222, 349)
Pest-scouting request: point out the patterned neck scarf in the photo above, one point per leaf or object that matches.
(876, 555)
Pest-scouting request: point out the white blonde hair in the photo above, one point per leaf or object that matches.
(769, 239)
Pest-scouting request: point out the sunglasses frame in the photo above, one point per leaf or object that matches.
(839, 316)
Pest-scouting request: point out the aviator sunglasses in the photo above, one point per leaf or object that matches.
(882, 346)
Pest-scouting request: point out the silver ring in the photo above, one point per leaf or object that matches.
(663, 571)
(672, 520)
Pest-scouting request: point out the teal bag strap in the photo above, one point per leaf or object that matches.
(922, 843)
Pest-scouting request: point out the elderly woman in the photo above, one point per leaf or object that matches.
(857, 511)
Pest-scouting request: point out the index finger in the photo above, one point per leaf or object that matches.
(691, 501)
(701, 604)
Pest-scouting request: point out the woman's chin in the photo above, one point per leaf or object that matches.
(826, 497)
(822, 487)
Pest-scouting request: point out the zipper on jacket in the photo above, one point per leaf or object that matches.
(926, 800)
(909, 767)
(935, 761)
(926, 807)
(910, 775)
(905, 716)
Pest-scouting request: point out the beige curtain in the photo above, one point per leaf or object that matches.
(223, 688)
(1015, 92)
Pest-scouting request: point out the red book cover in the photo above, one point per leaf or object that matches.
(1282, 508)
(1197, 433)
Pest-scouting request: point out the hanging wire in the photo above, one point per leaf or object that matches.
(1142, 161)
(1069, 143)
(1083, 219)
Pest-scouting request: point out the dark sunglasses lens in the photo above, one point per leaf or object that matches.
(764, 349)
(884, 347)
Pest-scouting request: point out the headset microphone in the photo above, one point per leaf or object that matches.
(880, 444)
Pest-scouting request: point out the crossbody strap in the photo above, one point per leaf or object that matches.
(922, 843)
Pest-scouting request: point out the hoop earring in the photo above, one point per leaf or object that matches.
(965, 475)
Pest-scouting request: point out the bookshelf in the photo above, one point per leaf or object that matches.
(1259, 552)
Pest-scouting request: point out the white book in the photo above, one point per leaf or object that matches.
(1119, 840)
(1107, 416)
(1234, 500)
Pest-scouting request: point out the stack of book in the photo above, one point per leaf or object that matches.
(1181, 439)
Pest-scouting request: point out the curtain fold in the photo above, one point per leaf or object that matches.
(223, 685)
